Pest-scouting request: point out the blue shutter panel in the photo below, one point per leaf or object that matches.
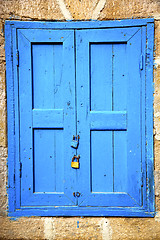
(109, 117)
(47, 116)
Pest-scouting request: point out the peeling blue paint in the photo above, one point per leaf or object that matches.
(77, 224)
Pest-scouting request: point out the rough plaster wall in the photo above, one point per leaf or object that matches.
(76, 227)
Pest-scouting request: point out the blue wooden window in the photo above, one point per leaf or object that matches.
(92, 79)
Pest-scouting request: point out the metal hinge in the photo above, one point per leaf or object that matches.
(17, 57)
(20, 170)
(141, 62)
(14, 178)
(142, 179)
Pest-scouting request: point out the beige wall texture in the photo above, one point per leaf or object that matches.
(93, 227)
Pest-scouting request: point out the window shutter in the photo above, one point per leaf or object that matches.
(110, 120)
(47, 116)
(92, 79)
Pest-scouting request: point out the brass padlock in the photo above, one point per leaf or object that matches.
(75, 164)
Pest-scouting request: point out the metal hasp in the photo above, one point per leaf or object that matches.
(75, 164)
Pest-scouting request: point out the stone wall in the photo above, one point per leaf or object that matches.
(76, 227)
